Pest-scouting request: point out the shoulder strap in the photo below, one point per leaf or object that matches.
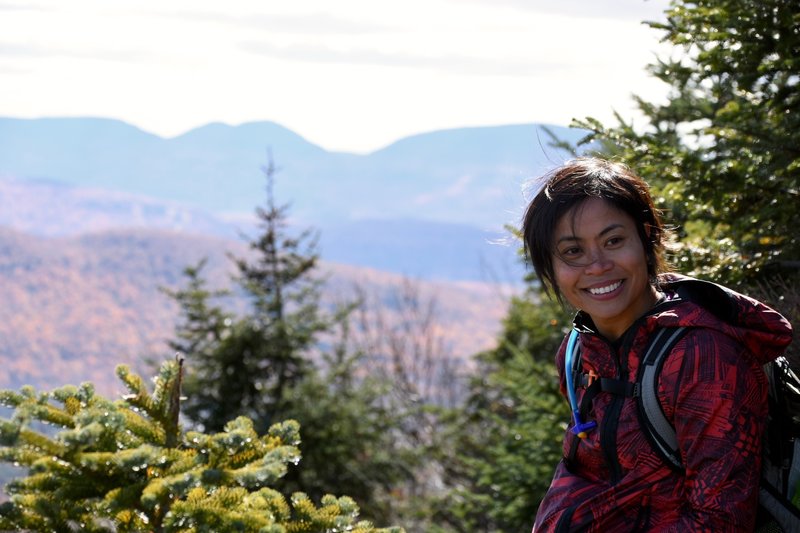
(655, 424)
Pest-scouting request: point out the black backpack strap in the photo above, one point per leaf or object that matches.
(659, 430)
(781, 514)
(781, 459)
(619, 387)
(592, 387)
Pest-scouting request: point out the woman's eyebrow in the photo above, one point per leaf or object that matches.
(609, 228)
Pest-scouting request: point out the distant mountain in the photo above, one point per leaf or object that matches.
(50, 208)
(423, 249)
(469, 176)
(431, 205)
(74, 307)
(416, 248)
(96, 215)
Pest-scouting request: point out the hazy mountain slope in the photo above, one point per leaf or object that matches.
(51, 208)
(74, 307)
(430, 205)
(430, 250)
(426, 249)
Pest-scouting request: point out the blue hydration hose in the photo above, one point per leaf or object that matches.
(580, 428)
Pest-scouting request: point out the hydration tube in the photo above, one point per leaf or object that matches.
(580, 428)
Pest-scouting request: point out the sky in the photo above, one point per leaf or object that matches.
(348, 75)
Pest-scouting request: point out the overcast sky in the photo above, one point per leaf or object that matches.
(349, 75)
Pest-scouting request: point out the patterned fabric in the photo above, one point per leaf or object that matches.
(712, 390)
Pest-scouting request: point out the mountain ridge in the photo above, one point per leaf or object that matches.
(467, 175)
(209, 180)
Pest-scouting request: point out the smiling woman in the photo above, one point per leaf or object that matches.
(596, 241)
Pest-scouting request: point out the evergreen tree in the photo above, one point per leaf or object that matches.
(201, 328)
(201, 325)
(127, 465)
(349, 430)
(282, 359)
(253, 361)
(507, 441)
(722, 150)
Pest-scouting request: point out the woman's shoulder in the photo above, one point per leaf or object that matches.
(692, 303)
(706, 338)
(707, 354)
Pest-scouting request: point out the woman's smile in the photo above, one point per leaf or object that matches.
(605, 289)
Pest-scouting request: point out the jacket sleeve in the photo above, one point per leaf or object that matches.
(716, 394)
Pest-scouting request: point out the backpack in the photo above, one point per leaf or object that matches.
(779, 492)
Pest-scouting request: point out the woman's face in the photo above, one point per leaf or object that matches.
(600, 266)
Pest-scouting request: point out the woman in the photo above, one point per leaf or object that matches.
(596, 240)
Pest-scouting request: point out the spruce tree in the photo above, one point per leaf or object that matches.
(201, 327)
(287, 357)
(722, 149)
(504, 445)
(254, 360)
(128, 465)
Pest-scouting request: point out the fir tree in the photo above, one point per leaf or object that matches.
(504, 445)
(201, 328)
(254, 360)
(285, 357)
(722, 149)
(127, 465)
(201, 325)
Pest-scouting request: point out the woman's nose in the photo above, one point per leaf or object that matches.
(598, 263)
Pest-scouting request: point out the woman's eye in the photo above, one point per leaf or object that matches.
(571, 252)
(614, 241)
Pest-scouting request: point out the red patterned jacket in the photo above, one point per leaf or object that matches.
(712, 390)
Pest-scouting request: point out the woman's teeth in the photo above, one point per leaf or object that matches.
(604, 290)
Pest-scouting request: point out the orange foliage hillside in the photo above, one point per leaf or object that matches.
(74, 307)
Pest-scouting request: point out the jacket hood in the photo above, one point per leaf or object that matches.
(694, 303)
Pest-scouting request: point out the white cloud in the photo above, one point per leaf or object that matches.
(469, 65)
(354, 75)
(318, 23)
(19, 6)
(598, 9)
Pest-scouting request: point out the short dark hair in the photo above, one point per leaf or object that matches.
(574, 182)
